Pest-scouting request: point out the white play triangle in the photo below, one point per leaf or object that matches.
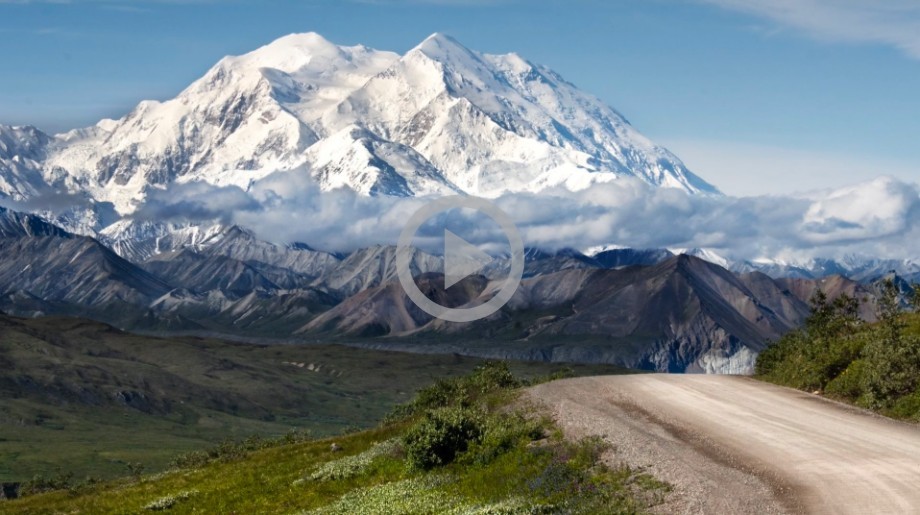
(461, 259)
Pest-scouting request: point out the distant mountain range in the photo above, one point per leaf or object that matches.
(639, 308)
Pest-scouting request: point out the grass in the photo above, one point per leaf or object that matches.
(82, 398)
(531, 471)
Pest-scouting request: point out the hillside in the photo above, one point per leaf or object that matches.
(464, 446)
(86, 398)
(873, 365)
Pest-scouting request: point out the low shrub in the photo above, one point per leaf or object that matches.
(876, 366)
(465, 391)
(907, 407)
(229, 450)
(355, 465)
(441, 436)
(494, 375)
(501, 433)
(848, 385)
(40, 484)
(414, 495)
(169, 501)
(891, 370)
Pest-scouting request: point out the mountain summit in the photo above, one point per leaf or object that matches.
(441, 118)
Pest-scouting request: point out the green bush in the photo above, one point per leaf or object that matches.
(492, 376)
(501, 433)
(230, 450)
(40, 484)
(572, 470)
(892, 369)
(190, 460)
(811, 357)
(465, 391)
(848, 385)
(907, 407)
(441, 436)
(876, 365)
(443, 393)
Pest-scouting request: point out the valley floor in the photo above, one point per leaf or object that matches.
(736, 445)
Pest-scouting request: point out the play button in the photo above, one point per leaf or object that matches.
(461, 259)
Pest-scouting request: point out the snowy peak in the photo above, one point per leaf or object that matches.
(247, 117)
(497, 123)
(440, 119)
(292, 53)
(27, 142)
(303, 67)
(459, 63)
(706, 255)
(22, 150)
(440, 43)
(305, 55)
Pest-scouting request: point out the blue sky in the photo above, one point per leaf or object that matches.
(758, 96)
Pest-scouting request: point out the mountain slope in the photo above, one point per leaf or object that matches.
(201, 273)
(617, 258)
(684, 314)
(22, 151)
(494, 124)
(45, 262)
(373, 266)
(247, 117)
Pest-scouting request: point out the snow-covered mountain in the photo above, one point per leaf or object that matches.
(439, 119)
(864, 269)
(22, 151)
(859, 268)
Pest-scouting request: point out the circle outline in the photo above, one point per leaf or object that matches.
(404, 248)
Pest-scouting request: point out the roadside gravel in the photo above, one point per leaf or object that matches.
(731, 444)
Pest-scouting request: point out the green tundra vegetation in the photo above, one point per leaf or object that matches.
(470, 444)
(82, 398)
(873, 365)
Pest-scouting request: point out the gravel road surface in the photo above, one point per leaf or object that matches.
(731, 444)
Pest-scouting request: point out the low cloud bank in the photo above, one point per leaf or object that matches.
(879, 218)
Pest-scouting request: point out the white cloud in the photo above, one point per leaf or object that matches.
(874, 210)
(889, 22)
(880, 217)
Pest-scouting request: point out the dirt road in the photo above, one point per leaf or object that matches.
(736, 445)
